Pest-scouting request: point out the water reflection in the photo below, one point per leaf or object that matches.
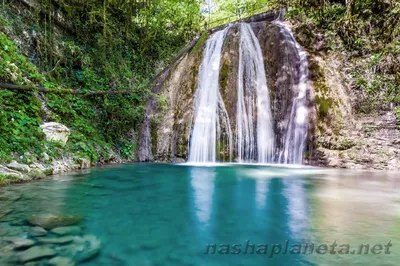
(202, 183)
(297, 206)
(165, 215)
(261, 193)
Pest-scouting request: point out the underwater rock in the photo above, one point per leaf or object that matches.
(34, 253)
(61, 261)
(82, 249)
(89, 247)
(6, 253)
(37, 231)
(4, 213)
(50, 221)
(8, 230)
(57, 241)
(67, 230)
(8, 196)
(19, 243)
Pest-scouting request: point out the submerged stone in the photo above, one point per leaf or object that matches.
(61, 261)
(82, 249)
(8, 196)
(19, 243)
(67, 230)
(90, 247)
(50, 221)
(17, 222)
(58, 241)
(37, 231)
(8, 230)
(4, 213)
(36, 253)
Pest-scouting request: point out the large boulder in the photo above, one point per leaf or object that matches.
(56, 132)
(19, 167)
(50, 221)
(10, 173)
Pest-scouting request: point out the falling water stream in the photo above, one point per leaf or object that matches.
(253, 102)
(203, 140)
(254, 133)
(296, 133)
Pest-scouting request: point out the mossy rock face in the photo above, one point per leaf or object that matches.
(338, 143)
(200, 43)
(37, 174)
(170, 128)
(323, 104)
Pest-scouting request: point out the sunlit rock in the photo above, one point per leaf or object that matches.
(56, 132)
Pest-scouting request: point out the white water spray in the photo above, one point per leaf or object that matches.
(296, 134)
(203, 139)
(253, 102)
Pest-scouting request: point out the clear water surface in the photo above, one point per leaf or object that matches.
(160, 214)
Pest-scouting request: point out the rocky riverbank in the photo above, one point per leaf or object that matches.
(29, 167)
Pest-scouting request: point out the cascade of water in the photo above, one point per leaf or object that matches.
(296, 133)
(253, 102)
(203, 140)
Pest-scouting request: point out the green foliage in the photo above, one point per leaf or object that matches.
(126, 150)
(99, 46)
(20, 113)
(7, 179)
(397, 113)
(203, 38)
(367, 33)
(226, 11)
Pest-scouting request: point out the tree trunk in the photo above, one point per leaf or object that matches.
(28, 88)
(350, 8)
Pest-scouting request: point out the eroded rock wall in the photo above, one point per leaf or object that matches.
(166, 129)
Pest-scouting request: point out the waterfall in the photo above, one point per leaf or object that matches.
(203, 140)
(296, 133)
(254, 134)
(253, 103)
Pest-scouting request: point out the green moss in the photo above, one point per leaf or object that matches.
(200, 42)
(397, 113)
(37, 174)
(8, 179)
(324, 104)
(224, 76)
(194, 72)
